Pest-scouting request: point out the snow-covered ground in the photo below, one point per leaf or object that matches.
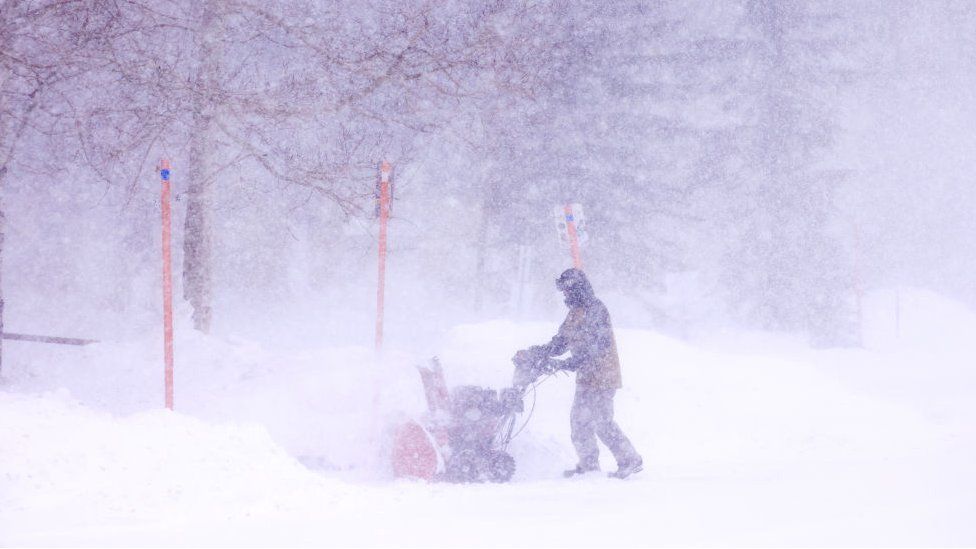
(748, 439)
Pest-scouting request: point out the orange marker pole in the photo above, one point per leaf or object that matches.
(167, 286)
(574, 248)
(385, 170)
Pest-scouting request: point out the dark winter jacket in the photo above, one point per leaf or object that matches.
(588, 335)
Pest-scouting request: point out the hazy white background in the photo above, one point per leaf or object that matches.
(779, 199)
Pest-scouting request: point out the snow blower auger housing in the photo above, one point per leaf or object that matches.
(465, 434)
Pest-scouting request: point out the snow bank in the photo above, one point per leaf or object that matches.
(68, 467)
(750, 439)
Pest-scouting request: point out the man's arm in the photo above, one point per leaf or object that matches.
(559, 343)
(557, 346)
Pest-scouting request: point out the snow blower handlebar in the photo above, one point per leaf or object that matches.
(533, 363)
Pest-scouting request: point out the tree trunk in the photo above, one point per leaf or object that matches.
(198, 227)
(3, 226)
(482, 254)
(7, 150)
(198, 242)
(488, 214)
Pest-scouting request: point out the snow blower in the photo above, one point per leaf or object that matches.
(465, 434)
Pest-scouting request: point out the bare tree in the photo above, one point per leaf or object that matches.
(306, 94)
(45, 46)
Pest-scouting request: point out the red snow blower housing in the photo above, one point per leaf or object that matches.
(464, 436)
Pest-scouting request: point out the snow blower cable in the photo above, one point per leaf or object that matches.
(510, 421)
(531, 410)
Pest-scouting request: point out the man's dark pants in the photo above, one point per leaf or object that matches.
(592, 417)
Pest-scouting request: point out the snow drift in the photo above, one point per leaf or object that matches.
(747, 439)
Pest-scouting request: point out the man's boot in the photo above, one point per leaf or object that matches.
(626, 469)
(580, 470)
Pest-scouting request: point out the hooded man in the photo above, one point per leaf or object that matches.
(588, 336)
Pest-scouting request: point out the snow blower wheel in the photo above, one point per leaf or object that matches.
(463, 467)
(500, 467)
